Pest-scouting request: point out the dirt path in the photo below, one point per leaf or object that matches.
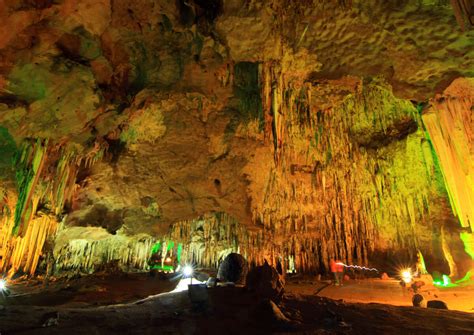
(386, 292)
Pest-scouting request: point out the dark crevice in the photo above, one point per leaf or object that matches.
(12, 101)
(82, 173)
(203, 13)
(209, 9)
(38, 4)
(70, 46)
(100, 216)
(115, 149)
(186, 13)
(393, 133)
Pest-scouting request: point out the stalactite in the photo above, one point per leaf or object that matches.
(453, 271)
(359, 187)
(89, 254)
(463, 12)
(31, 163)
(450, 128)
(46, 174)
(23, 252)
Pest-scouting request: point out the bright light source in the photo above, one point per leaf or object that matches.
(188, 271)
(406, 276)
(3, 284)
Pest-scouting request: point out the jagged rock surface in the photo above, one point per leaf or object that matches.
(145, 117)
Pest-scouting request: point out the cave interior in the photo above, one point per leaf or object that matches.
(140, 137)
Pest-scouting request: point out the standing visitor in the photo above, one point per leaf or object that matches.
(339, 272)
(334, 269)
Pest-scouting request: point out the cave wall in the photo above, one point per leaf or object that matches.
(300, 121)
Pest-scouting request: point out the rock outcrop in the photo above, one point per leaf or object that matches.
(233, 268)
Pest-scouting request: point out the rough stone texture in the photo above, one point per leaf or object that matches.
(293, 118)
(438, 304)
(397, 39)
(234, 268)
(266, 282)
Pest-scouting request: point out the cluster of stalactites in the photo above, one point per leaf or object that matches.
(22, 253)
(204, 242)
(46, 176)
(340, 176)
(208, 240)
(89, 255)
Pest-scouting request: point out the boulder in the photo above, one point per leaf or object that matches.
(201, 276)
(234, 269)
(438, 304)
(266, 282)
(417, 300)
(211, 282)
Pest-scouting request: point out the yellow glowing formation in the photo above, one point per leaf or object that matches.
(450, 129)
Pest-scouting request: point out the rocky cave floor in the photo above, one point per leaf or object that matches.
(141, 304)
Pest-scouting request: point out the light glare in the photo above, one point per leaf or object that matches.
(183, 285)
(406, 276)
(188, 271)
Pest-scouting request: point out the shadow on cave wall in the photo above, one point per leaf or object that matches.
(100, 216)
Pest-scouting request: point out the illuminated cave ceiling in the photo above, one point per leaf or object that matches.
(281, 116)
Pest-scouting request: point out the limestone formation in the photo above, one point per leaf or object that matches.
(290, 132)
